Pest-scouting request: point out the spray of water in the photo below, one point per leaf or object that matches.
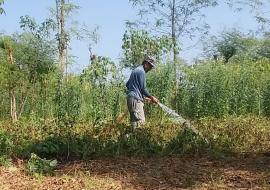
(178, 119)
(172, 114)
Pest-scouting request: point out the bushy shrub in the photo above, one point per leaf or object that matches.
(37, 165)
(6, 143)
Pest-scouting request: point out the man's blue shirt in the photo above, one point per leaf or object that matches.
(136, 84)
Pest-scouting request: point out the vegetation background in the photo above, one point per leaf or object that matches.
(48, 112)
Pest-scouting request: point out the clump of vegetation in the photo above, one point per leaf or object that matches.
(6, 144)
(88, 141)
(39, 166)
(5, 161)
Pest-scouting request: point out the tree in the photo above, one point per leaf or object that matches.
(63, 11)
(258, 7)
(264, 48)
(174, 18)
(99, 71)
(29, 59)
(7, 45)
(138, 43)
(237, 45)
(226, 46)
(100, 80)
(1, 9)
(68, 29)
(62, 40)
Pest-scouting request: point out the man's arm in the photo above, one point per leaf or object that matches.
(142, 82)
(145, 91)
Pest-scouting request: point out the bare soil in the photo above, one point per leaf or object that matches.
(176, 172)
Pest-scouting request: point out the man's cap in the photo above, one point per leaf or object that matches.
(150, 60)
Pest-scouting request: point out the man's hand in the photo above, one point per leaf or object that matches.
(151, 99)
(154, 99)
(148, 100)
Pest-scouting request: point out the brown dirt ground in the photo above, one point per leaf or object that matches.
(234, 172)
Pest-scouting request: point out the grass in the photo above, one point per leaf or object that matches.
(85, 141)
(158, 156)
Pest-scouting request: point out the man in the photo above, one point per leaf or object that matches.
(137, 92)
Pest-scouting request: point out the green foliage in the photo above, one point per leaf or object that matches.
(263, 50)
(6, 143)
(99, 72)
(102, 90)
(256, 7)
(74, 116)
(138, 43)
(229, 45)
(231, 134)
(186, 142)
(36, 62)
(51, 147)
(39, 166)
(11, 71)
(4, 65)
(5, 161)
(1, 9)
(68, 102)
(219, 90)
(36, 49)
(159, 14)
(162, 77)
(87, 141)
(32, 63)
(39, 31)
(234, 46)
(266, 100)
(141, 142)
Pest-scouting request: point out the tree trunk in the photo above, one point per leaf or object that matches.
(175, 54)
(174, 40)
(173, 35)
(22, 105)
(12, 97)
(61, 32)
(13, 106)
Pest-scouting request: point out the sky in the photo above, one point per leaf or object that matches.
(110, 17)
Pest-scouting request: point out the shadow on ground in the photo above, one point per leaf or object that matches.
(246, 171)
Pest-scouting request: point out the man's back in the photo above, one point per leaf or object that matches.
(136, 84)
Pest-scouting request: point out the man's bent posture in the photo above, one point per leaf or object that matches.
(137, 92)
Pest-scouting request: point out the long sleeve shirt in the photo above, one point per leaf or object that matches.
(136, 84)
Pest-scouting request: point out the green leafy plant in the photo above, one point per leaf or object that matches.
(5, 161)
(138, 43)
(6, 143)
(39, 166)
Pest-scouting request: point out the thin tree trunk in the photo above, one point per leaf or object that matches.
(173, 34)
(174, 40)
(66, 64)
(23, 103)
(14, 106)
(12, 97)
(175, 54)
(61, 32)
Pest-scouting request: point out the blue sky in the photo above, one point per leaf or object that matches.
(110, 16)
